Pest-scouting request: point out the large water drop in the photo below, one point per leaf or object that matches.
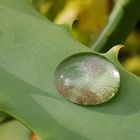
(87, 79)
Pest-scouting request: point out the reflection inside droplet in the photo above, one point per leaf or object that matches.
(87, 78)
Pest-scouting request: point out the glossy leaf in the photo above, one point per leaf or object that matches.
(30, 51)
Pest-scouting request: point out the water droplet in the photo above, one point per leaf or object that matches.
(87, 79)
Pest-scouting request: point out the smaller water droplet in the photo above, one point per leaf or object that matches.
(87, 79)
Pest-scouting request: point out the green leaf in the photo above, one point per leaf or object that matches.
(120, 23)
(30, 51)
(24, 6)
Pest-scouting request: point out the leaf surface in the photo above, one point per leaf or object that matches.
(30, 51)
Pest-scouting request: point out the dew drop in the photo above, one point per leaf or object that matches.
(87, 79)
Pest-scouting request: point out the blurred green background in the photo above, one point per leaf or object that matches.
(89, 18)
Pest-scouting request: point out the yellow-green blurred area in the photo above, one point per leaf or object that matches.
(90, 17)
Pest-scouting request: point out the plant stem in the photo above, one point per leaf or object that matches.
(120, 23)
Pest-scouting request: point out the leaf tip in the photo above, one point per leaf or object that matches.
(115, 50)
(69, 24)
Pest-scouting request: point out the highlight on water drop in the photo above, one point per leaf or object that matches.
(87, 79)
